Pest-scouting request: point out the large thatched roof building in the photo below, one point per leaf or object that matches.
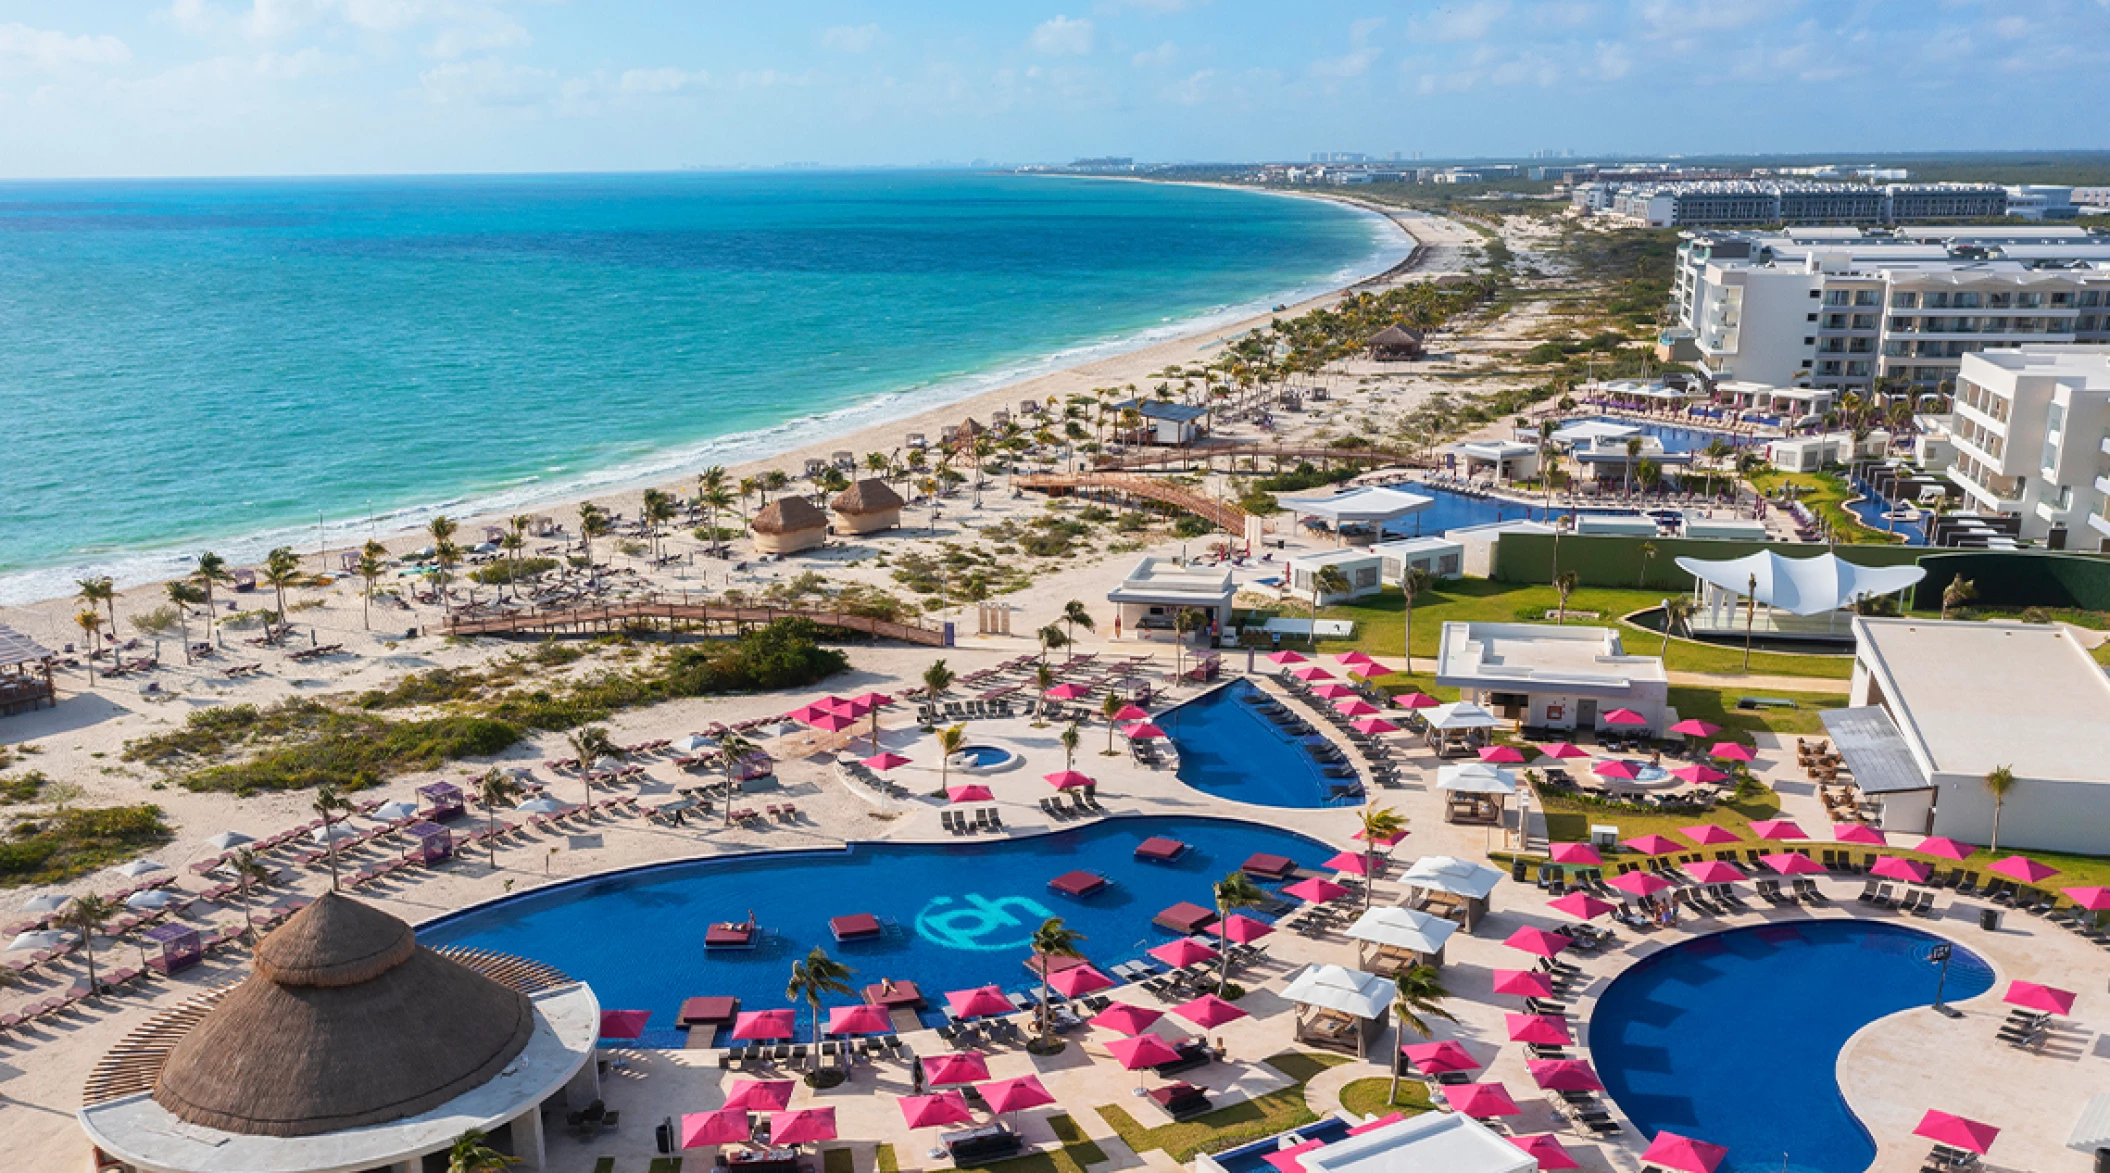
(349, 1045)
(789, 524)
(867, 507)
(1395, 342)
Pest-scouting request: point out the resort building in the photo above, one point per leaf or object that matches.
(1363, 568)
(348, 1047)
(869, 506)
(1481, 545)
(1937, 706)
(1843, 309)
(1158, 589)
(1543, 677)
(1504, 460)
(2028, 428)
(1726, 203)
(1793, 406)
(1357, 517)
(1441, 557)
(1165, 422)
(788, 525)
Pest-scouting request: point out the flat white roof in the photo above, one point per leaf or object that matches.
(2087, 365)
(1421, 545)
(1434, 1142)
(1164, 582)
(1974, 696)
(1341, 557)
(1497, 448)
(1588, 430)
(1525, 657)
(1367, 504)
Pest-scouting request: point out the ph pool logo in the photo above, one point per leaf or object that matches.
(976, 923)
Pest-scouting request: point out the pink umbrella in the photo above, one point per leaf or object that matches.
(1858, 833)
(972, 792)
(830, 721)
(1788, 863)
(804, 1126)
(934, 1110)
(1618, 769)
(1890, 867)
(1125, 1018)
(1945, 848)
(955, 1067)
(885, 761)
(1781, 829)
(1066, 779)
(725, 1126)
(1243, 929)
(979, 1002)
(759, 1095)
(1564, 1075)
(1012, 1095)
(859, 1020)
(1654, 845)
(1285, 657)
(1563, 750)
(2023, 868)
(1415, 700)
(2031, 996)
(1502, 755)
(1956, 1132)
(1208, 1011)
(1714, 871)
(1440, 1058)
(765, 1024)
(1538, 942)
(1315, 890)
(1131, 713)
(1523, 983)
(872, 700)
(1581, 906)
(1732, 751)
(1624, 717)
(1581, 853)
(1366, 671)
(1142, 1051)
(1547, 1030)
(1334, 692)
(624, 1024)
(1142, 731)
(1545, 1148)
(1699, 775)
(1078, 980)
(1639, 883)
(1184, 951)
(1355, 707)
(1481, 1100)
(808, 714)
(1353, 658)
(1067, 692)
(849, 707)
(1709, 834)
(1694, 727)
(1372, 726)
(1350, 862)
(1683, 1154)
(2092, 899)
(1313, 672)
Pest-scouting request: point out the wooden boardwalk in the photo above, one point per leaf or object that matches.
(1207, 454)
(1221, 514)
(673, 615)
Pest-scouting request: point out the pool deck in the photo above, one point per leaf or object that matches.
(1892, 1072)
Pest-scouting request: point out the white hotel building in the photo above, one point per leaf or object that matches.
(2031, 429)
(1841, 308)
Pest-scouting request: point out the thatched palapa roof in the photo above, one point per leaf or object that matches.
(787, 515)
(345, 1021)
(866, 497)
(1395, 335)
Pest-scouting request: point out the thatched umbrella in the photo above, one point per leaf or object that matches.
(789, 524)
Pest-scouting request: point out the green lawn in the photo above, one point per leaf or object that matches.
(1380, 626)
(1568, 820)
(1719, 707)
(1366, 1097)
(1233, 1124)
(1826, 496)
(1076, 1154)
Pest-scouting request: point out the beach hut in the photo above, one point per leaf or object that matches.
(174, 947)
(966, 433)
(843, 458)
(1395, 343)
(788, 525)
(867, 507)
(1391, 940)
(25, 673)
(1340, 1009)
(1475, 792)
(430, 843)
(440, 801)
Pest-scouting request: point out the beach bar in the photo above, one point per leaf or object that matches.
(25, 673)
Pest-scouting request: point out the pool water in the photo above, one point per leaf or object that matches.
(1252, 1158)
(1734, 1038)
(1453, 510)
(958, 914)
(1230, 751)
(1675, 438)
(1870, 508)
(983, 756)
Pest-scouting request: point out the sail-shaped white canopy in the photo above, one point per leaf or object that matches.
(1802, 586)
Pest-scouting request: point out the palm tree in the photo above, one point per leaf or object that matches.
(1327, 581)
(1960, 590)
(87, 915)
(91, 625)
(1051, 940)
(1998, 782)
(512, 542)
(1412, 581)
(493, 789)
(1235, 891)
(589, 745)
(281, 570)
(1071, 736)
(937, 681)
(181, 595)
(1108, 706)
(472, 1153)
(817, 975)
(1043, 680)
(373, 563)
(1678, 611)
(1050, 637)
(249, 870)
(950, 739)
(1379, 822)
(1418, 996)
(331, 804)
(100, 592)
(1750, 615)
(1564, 585)
(1648, 551)
(1633, 453)
(655, 509)
(447, 556)
(1074, 614)
(1185, 622)
(211, 571)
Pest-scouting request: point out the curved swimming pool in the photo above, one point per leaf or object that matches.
(954, 914)
(1734, 1038)
(1229, 750)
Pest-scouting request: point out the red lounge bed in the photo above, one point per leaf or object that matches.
(729, 936)
(1269, 867)
(1159, 849)
(1079, 883)
(905, 994)
(1184, 918)
(856, 926)
(708, 1011)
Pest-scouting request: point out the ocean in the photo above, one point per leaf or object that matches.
(240, 364)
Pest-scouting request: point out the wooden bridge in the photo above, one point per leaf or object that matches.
(1223, 515)
(673, 615)
(1209, 454)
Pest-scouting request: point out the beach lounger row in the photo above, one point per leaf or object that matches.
(1079, 803)
(986, 818)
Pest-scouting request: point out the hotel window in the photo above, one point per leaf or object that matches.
(2062, 298)
(1828, 368)
(2091, 297)
(1904, 301)
(1857, 368)
(1999, 301)
(1866, 297)
(1967, 301)
(1835, 321)
(1864, 321)
(1937, 301)
(2028, 301)
(1900, 325)
(1837, 297)
(2084, 323)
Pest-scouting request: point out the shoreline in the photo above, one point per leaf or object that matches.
(785, 445)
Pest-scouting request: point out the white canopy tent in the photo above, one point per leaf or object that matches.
(1789, 590)
(1371, 505)
(1403, 936)
(1460, 715)
(1340, 1009)
(1591, 431)
(1476, 778)
(1448, 873)
(1450, 1141)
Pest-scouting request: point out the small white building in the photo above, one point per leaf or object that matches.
(1504, 460)
(1810, 453)
(1151, 597)
(1433, 1142)
(1167, 423)
(1482, 543)
(1624, 525)
(1790, 404)
(1363, 568)
(1937, 706)
(1435, 557)
(1358, 516)
(1553, 677)
(1731, 528)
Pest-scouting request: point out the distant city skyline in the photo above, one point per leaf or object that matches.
(248, 87)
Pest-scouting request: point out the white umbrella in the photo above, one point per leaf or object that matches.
(39, 939)
(607, 762)
(145, 901)
(49, 902)
(332, 832)
(389, 812)
(229, 840)
(140, 867)
(541, 806)
(693, 743)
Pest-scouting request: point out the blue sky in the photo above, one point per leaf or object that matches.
(181, 87)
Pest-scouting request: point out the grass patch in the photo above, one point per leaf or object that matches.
(885, 1157)
(1368, 1097)
(1826, 495)
(1077, 1152)
(1569, 818)
(74, 842)
(301, 742)
(1719, 706)
(838, 1161)
(1234, 1124)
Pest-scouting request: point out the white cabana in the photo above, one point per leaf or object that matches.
(1340, 1009)
(1359, 516)
(1450, 887)
(1397, 938)
(2091, 1133)
(1793, 592)
(1476, 778)
(1460, 715)
(1591, 431)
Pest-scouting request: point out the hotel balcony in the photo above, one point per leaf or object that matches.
(1998, 494)
(2099, 523)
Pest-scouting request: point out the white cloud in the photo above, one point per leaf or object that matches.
(486, 82)
(664, 80)
(1166, 7)
(1461, 22)
(1357, 61)
(1063, 37)
(1157, 58)
(45, 49)
(1564, 13)
(496, 32)
(1614, 61)
(1673, 18)
(851, 38)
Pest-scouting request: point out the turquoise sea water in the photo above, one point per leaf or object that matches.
(193, 363)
